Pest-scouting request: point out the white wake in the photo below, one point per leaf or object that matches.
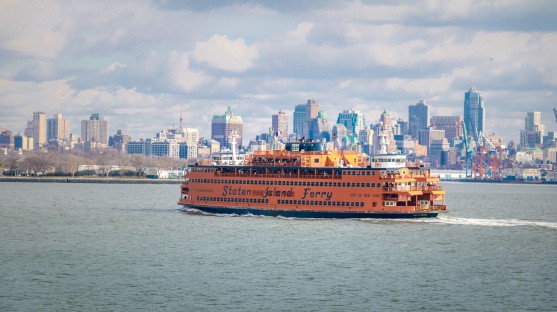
(494, 222)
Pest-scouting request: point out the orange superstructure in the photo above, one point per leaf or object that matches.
(307, 181)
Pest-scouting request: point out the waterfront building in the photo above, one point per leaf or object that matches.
(36, 129)
(141, 147)
(280, 126)
(223, 127)
(353, 120)
(167, 148)
(300, 123)
(451, 124)
(550, 155)
(58, 128)
(95, 129)
(7, 139)
(532, 135)
(418, 118)
(474, 113)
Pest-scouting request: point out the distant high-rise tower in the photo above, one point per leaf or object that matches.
(312, 110)
(451, 124)
(418, 118)
(353, 120)
(58, 128)
(532, 135)
(474, 113)
(300, 123)
(320, 128)
(280, 126)
(36, 129)
(223, 127)
(95, 129)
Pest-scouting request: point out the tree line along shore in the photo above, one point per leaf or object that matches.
(93, 164)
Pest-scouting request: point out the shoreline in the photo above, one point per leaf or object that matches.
(98, 180)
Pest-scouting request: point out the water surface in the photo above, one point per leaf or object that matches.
(128, 247)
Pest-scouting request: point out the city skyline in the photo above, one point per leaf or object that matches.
(80, 59)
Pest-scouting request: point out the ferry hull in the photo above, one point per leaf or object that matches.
(312, 213)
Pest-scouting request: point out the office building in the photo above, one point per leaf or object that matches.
(320, 128)
(188, 150)
(353, 120)
(474, 113)
(451, 124)
(36, 129)
(280, 126)
(95, 129)
(119, 141)
(533, 133)
(23, 142)
(7, 139)
(418, 118)
(312, 110)
(224, 127)
(300, 123)
(58, 128)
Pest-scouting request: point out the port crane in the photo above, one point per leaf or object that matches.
(483, 158)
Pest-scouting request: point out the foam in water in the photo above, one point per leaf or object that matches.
(489, 222)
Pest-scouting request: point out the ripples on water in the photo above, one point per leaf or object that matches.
(129, 247)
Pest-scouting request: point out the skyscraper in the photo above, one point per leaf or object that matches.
(451, 124)
(353, 120)
(418, 118)
(532, 135)
(300, 123)
(223, 127)
(312, 110)
(474, 113)
(58, 128)
(320, 127)
(95, 129)
(280, 126)
(36, 129)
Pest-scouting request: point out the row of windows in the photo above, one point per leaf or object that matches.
(287, 183)
(277, 170)
(234, 200)
(320, 203)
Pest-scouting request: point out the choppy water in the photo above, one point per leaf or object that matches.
(89, 247)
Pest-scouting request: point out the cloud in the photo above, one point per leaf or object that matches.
(222, 53)
(135, 60)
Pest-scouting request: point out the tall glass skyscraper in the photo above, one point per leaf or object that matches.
(300, 123)
(474, 113)
(353, 120)
(418, 118)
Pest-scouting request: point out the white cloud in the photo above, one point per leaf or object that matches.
(222, 53)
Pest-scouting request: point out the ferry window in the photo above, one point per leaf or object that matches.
(320, 183)
(344, 184)
(373, 173)
(316, 160)
(352, 204)
(353, 185)
(374, 204)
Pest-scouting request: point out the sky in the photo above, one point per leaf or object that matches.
(138, 63)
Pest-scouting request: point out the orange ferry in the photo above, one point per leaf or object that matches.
(307, 181)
